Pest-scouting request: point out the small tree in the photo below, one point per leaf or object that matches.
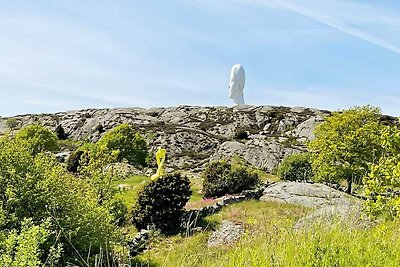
(131, 145)
(37, 138)
(346, 144)
(296, 167)
(11, 123)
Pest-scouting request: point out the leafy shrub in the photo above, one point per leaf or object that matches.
(131, 145)
(383, 181)
(221, 177)
(38, 187)
(37, 138)
(73, 161)
(160, 202)
(26, 247)
(80, 157)
(60, 132)
(118, 210)
(296, 167)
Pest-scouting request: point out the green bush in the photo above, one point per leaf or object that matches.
(39, 188)
(221, 177)
(296, 167)
(37, 138)
(26, 247)
(131, 146)
(73, 161)
(160, 202)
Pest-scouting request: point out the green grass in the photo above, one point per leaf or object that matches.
(271, 240)
(130, 188)
(132, 185)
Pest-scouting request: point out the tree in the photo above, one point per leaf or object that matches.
(296, 167)
(131, 145)
(12, 123)
(346, 144)
(383, 180)
(37, 138)
(38, 188)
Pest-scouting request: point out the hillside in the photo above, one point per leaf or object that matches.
(193, 135)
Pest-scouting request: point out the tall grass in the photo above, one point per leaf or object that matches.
(271, 240)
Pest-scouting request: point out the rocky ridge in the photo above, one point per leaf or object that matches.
(195, 135)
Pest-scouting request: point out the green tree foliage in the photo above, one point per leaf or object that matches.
(11, 123)
(131, 146)
(26, 247)
(160, 202)
(383, 181)
(346, 144)
(221, 177)
(38, 188)
(296, 167)
(37, 138)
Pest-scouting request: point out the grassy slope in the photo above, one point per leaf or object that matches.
(270, 240)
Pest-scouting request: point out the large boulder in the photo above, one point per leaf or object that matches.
(328, 206)
(306, 194)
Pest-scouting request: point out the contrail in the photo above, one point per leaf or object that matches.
(340, 26)
(334, 23)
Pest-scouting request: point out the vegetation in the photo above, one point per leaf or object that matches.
(53, 214)
(130, 145)
(383, 181)
(296, 167)
(160, 203)
(222, 177)
(346, 144)
(12, 123)
(37, 138)
(60, 132)
(35, 187)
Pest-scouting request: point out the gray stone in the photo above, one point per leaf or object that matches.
(308, 195)
(123, 170)
(63, 156)
(263, 154)
(228, 233)
(191, 134)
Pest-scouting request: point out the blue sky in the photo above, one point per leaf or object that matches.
(66, 55)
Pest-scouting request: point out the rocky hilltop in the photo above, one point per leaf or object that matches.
(193, 135)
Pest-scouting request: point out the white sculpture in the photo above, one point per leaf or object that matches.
(236, 85)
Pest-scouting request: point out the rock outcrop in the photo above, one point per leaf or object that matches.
(194, 135)
(306, 194)
(329, 206)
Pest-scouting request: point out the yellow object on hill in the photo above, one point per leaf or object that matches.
(160, 157)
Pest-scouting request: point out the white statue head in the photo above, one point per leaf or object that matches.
(236, 85)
